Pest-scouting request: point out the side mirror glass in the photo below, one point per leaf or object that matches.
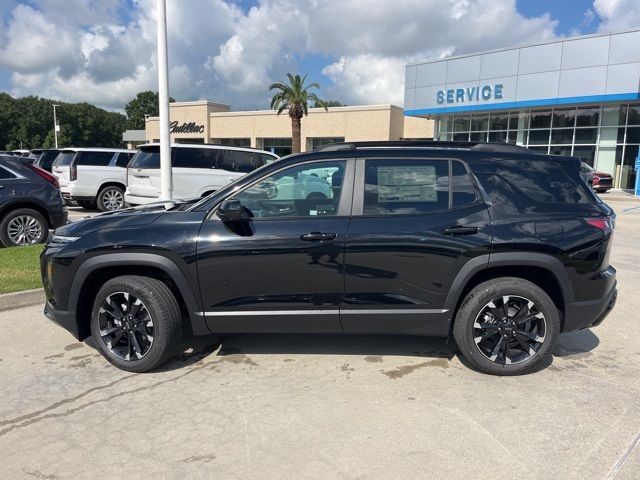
(232, 210)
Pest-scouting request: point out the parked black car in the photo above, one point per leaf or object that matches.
(492, 244)
(44, 157)
(30, 203)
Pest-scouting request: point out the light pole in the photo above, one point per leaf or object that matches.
(166, 184)
(56, 128)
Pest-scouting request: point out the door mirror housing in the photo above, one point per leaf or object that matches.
(232, 210)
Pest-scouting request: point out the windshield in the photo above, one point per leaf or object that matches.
(64, 159)
(146, 158)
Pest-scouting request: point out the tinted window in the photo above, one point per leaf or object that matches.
(266, 158)
(227, 161)
(195, 157)
(64, 159)
(300, 191)
(463, 191)
(46, 159)
(5, 174)
(96, 159)
(405, 186)
(519, 185)
(244, 161)
(147, 158)
(123, 159)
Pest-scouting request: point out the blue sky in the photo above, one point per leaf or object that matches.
(103, 51)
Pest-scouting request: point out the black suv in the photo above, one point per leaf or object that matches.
(30, 203)
(492, 244)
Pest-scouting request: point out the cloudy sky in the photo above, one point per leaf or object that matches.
(103, 51)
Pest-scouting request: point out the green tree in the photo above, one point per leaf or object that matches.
(330, 103)
(145, 103)
(295, 97)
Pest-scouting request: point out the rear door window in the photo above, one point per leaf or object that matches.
(405, 186)
(94, 159)
(193, 158)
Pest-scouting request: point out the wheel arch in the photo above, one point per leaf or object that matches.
(95, 271)
(22, 203)
(545, 271)
(111, 183)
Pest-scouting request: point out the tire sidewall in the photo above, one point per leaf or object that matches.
(478, 298)
(4, 226)
(100, 203)
(161, 331)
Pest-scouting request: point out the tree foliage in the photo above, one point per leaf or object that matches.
(145, 103)
(295, 96)
(27, 122)
(330, 103)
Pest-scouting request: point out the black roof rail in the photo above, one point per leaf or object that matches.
(479, 146)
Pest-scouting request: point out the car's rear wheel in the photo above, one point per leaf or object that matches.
(23, 226)
(110, 198)
(136, 323)
(506, 326)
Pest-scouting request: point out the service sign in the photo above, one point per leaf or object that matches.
(470, 94)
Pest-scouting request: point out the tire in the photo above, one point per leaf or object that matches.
(539, 333)
(23, 226)
(110, 198)
(158, 307)
(602, 190)
(87, 204)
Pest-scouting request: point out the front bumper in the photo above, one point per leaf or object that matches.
(66, 320)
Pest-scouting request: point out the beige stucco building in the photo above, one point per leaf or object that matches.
(209, 122)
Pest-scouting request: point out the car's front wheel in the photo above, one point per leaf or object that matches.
(136, 322)
(23, 226)
(506, 326)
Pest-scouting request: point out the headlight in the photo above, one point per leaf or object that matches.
(61, 240)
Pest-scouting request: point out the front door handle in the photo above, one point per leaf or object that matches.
(317, 237)
(460, 230)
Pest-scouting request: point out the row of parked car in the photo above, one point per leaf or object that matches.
(35, 186)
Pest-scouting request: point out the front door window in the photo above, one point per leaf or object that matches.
(302, 191)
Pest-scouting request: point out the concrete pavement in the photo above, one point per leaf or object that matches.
(326, 406)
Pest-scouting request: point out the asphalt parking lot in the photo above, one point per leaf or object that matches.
(292, 407)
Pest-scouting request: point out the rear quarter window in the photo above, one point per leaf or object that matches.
(6, 174)
(522, 184)
(147, 158)
(94, 159)
(64, 159)
(195, 157)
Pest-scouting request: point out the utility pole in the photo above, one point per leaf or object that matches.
(56, 128)
(166, 182)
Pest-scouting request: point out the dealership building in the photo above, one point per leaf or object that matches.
(210, 122)
(576, 96)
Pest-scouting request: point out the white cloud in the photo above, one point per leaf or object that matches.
(103, 51)
(617, 14)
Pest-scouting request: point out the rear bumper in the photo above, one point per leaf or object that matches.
(59, 219)
(580, 315)
(138, 200)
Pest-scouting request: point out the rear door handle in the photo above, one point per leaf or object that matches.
(317, 237)
(460, 230)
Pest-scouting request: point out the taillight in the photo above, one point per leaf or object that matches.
(601, 223)
(52, 179)
(73, 172)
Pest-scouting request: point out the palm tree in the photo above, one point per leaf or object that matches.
(295, 97)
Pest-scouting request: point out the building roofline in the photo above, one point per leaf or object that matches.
(525, 45)
(199, 103)
(349, 108)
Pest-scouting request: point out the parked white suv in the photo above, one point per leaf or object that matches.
(198, 170)
(93, 177)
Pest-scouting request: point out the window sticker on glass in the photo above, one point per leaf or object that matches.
(407, 184)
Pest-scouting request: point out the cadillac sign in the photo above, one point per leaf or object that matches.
(187, 127)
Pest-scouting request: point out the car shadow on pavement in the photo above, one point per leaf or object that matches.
(575, 343)
(370, 347)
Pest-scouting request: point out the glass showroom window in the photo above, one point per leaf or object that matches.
(316, 142)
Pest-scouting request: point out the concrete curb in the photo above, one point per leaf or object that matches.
(26, 298)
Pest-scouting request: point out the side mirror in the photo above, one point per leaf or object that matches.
(231, 210)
